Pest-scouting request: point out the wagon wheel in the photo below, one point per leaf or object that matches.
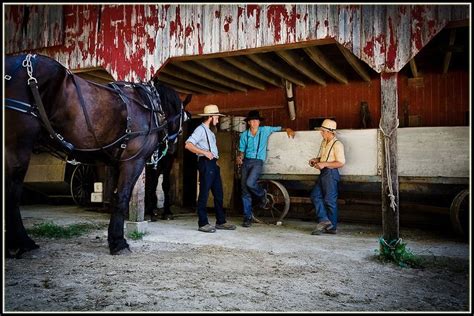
(82, 184)
(279, 202)
(459, 212)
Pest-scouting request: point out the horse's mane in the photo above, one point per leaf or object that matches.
(168, 97)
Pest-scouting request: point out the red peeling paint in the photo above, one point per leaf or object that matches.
(388, 75)
(217, 14)
(200, 44)
(240, 11)
(369, 48)
(417, 25)
(227, 22)
(274, 14)
(188, 31)
(175, 26)
(392, 47)
(250, 12)
(381, 40)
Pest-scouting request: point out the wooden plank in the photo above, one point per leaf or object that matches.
(248, 66)
(212, 76)
(299, 63)
(185, 75)
(183, 84)
(277, 68)
(319, 59)
(352, 60)
(231, 72)
(228, 27)
(447, 56)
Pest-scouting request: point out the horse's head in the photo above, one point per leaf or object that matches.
(175, 111)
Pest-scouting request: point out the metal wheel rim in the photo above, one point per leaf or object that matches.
(279, 199)
(82, 184)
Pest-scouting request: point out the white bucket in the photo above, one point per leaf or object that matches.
(238, 123)
(225, 123)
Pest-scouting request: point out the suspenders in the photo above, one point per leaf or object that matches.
(258, 144)
(329, 152)
(207, 137)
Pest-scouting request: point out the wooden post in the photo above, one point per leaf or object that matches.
(389, 124)
(137, 200)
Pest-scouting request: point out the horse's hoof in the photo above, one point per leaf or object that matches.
(123, 251)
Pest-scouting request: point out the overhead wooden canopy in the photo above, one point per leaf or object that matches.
(320, 63)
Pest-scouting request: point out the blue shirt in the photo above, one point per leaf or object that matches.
(249, 144)
(200, 137)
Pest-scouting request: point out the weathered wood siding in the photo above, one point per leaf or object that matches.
(133, 41)
(442, 100)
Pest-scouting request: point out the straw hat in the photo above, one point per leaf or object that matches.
(329, 125)
(211, 110)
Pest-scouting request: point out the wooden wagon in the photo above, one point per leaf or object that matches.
(431, 160)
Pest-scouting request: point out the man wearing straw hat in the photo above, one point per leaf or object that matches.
(252, 155)
(325, 192)
(202, 142)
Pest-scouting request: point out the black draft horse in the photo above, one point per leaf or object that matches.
(123, 124)
(168, 156)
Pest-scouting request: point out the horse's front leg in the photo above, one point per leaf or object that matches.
(129, 172)
(17, 157)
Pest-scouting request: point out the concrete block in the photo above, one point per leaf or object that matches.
(140, 227)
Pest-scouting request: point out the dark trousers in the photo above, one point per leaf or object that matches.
(151, 181)
(210, 179)
(251, 171)
(324, 196)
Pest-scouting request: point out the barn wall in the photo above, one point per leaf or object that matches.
(440, 100)
(133, 41)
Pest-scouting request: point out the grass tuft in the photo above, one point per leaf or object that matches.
(136, 235)
(397, 252)
(52, 230)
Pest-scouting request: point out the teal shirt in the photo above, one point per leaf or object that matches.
(249, 143)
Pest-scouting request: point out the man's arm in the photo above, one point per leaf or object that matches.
(192, 148)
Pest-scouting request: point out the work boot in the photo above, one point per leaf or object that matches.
(207, 229)
(321, 227)
(154, 215)
(247, 223)
(226, 226)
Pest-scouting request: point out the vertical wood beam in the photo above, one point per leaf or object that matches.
(447, 56)
(389, 124)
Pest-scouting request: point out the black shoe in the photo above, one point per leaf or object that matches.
(167, 217)
(247, 223)
(154, 216)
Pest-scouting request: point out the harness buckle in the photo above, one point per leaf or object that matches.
(7, 77)
(60, 137)
(123, 146)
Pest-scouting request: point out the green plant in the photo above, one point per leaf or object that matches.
(52, 230)
(136, 235)
(396, 251)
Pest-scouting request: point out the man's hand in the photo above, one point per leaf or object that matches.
(290, 133)
(209, 155)
(239, 160)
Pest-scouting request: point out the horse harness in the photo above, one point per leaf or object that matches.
(146, 91)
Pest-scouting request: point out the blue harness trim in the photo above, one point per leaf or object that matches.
(20, 107)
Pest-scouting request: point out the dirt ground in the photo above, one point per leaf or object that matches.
(263, 268)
